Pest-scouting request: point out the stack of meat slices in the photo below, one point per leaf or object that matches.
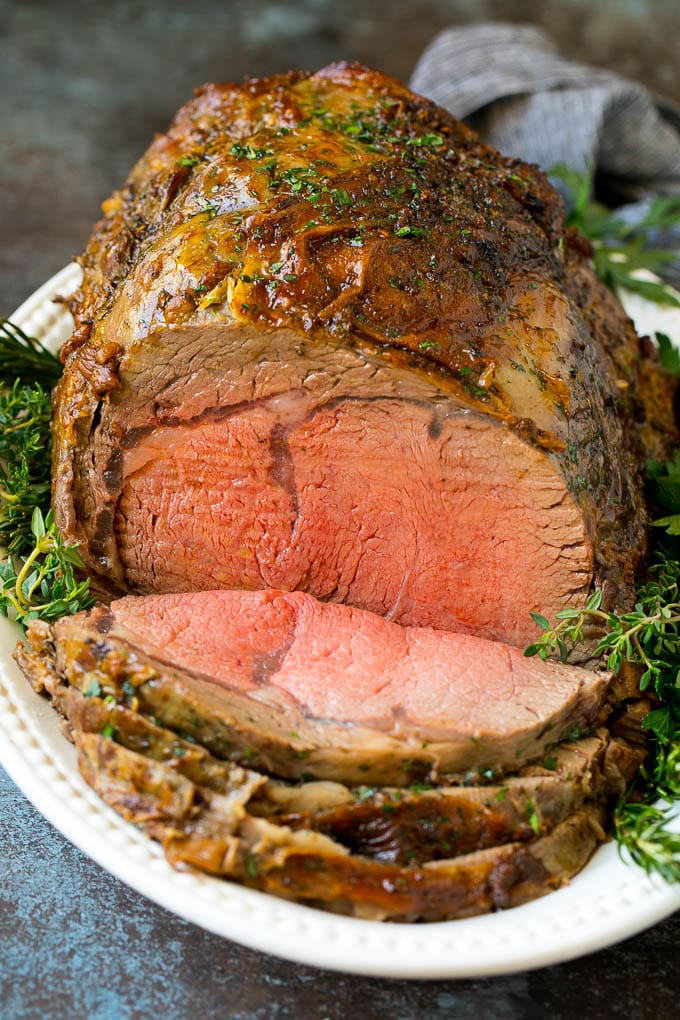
(344, 404)
(396, 741)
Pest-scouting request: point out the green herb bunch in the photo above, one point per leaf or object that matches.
(38, 571)
(644, 827)
(24, 462)
(619, 249)
(24, 359)
(649, 636)
(43, 585)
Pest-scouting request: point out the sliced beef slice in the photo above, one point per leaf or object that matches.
(303, 688)
(419, 823)
(328, 341)
(398, 825)
(215, 833)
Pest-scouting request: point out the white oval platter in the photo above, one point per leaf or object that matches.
(608, 901)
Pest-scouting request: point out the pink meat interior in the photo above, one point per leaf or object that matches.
(346, 664)
(456, 524)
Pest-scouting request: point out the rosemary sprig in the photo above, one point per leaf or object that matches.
(663, 478)
(643, 830)
(643, 827)
(669, 355)
(24, 359)
(619, 249)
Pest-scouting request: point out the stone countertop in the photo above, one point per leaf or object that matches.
(84, 86)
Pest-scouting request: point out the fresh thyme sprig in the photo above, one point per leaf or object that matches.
(649, 636)
(38, 570)
(24, 359)
(24, 462)
(619, 249)
(44, 583)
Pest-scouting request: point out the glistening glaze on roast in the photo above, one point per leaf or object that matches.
(343, 401)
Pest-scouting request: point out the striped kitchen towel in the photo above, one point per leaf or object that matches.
(511, 85)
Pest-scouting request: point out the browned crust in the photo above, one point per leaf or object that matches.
(423, 824)
(390, 824)
(646, 390)
(222, 114)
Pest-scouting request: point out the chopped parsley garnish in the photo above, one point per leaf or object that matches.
(420, 787)
(250, 151)
(411, 231)
(434, 140)
(532, 817)
(340, 197)
(363, 793)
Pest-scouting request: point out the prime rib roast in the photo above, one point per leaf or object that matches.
(327, 341)
(344, 404)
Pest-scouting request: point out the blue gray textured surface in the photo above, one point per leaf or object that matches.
(83, 86)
